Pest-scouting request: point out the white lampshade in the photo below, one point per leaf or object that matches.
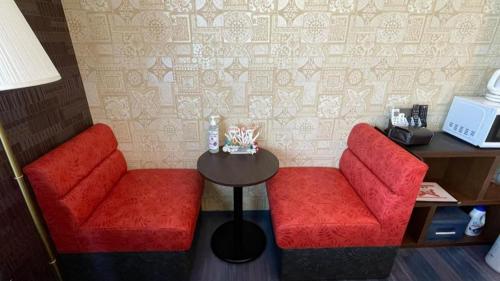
(23, 61)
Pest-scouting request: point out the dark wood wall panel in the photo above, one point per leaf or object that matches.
(37, 119)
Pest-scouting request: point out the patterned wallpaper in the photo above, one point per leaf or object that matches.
(305, 71)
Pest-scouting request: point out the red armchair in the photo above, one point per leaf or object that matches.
(348, 222)
(93, 204)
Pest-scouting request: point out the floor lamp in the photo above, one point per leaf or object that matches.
(23, 63)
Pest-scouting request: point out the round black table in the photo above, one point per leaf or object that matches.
(238, 240)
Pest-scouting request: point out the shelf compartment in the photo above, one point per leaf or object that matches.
(457, 195)
(465, 172)
(419, 221)
(464, 176)
(414, 238)
(492, 195)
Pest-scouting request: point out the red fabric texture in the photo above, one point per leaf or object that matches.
(147, 210)
(66, 165)
(393, 165)
(385, 176)
(56, 173)
(366, 202)
(317, 208)
(91, 203)
(82, 200)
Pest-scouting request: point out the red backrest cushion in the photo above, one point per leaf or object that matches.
(393, 165)
(385, 176)
(91, 190)
(73, 179)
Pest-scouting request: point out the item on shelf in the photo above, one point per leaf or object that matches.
(448, 223)
(477, 221)
(493, 256)
(241, 140)
(474, 120)
(422, 113)
(410, 135)
(213, 134)
(409, 130)
(415, 119)
(432, 191)
(493, 87)
(398, 118)
(406, 117)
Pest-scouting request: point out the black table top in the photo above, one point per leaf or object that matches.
(238, 169)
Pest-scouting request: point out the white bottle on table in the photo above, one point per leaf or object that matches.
(213, 134)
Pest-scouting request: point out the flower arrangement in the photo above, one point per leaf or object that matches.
(241, 140)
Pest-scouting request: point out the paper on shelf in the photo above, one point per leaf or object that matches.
(432, 191)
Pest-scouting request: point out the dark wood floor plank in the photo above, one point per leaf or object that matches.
(417, 266)
(462, 264)
(424, 264)
(439, 264)
(399, 272)
(477, 254)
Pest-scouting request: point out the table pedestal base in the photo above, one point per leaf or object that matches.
(238, 241)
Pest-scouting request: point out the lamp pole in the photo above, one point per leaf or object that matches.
(19, 177)
(23, 63)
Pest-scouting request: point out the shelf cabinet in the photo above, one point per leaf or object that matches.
(466, 172)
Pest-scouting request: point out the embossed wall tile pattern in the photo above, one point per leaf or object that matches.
(304, 70)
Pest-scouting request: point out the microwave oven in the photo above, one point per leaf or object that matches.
(475, 120)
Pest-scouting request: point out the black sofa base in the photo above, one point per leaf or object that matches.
(337, 263)
(150, 266)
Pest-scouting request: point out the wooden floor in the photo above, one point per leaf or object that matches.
(454, 263)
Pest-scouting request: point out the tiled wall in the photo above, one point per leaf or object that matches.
(36, 120)
(305, 71)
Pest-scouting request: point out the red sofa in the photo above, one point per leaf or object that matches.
(93, 204)
(347, 222)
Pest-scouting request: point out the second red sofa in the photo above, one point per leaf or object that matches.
(347, 222)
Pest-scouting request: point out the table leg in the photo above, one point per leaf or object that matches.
(238, 241)
(238, 218)
(238, 203)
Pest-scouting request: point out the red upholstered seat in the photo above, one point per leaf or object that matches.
(91, 203)
(147, 210)
(318, 204)
(366, 202)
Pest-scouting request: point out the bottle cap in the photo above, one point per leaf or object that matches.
(480, 208)
(212, 120)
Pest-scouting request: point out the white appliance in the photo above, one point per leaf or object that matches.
(475, 120)
(493, 256)
(493, 86)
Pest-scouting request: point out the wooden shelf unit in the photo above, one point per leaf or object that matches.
(466, 172)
